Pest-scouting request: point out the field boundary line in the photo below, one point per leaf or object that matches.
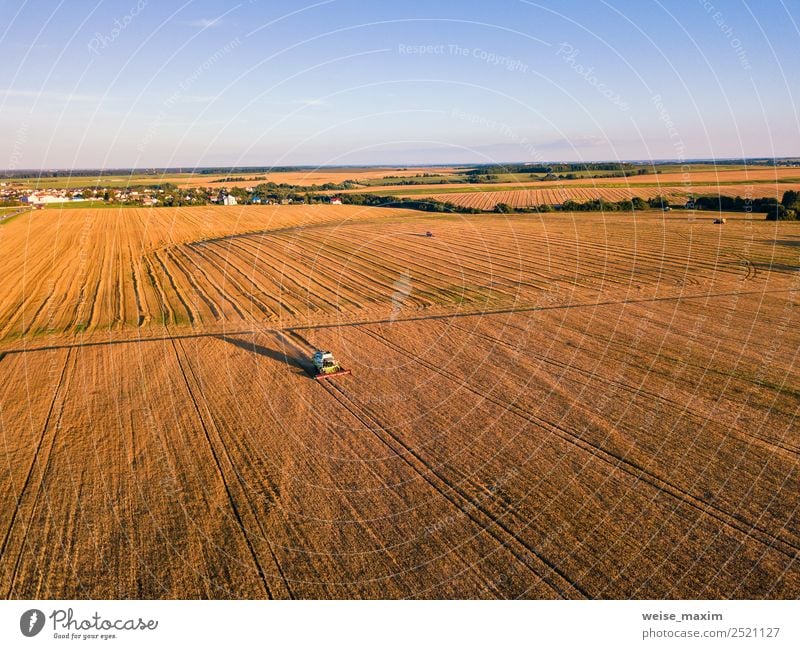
(524, 309)
(411, 318)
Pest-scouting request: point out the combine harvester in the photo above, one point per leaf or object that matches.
(326, 366)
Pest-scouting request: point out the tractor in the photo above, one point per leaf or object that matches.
(326, 366)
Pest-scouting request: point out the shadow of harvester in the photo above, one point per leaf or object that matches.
(299, 363)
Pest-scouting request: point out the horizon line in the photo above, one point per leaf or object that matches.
(193, 168)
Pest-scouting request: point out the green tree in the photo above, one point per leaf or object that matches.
(791, 200)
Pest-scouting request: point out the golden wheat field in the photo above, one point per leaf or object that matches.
(754, 181)
(540, 406)
(487, 200)
(307, 177)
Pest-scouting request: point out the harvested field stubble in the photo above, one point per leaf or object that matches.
(487, 200)
(541, 406)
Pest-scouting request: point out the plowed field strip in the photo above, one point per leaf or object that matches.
(164, 307)
(212, 307)
(330, 293)
(271, 303)
(238, 292)
(183, 251)
(58, 390)
(425, 260)
(191, 313)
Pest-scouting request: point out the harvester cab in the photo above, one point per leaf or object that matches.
(326, 366)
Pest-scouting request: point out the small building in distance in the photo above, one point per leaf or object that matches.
(41, 199)
(224, 198)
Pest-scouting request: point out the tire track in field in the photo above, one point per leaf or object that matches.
(184, 251)
(43, 306)
(231, 499)
(303, 293)
(205, 255)
(58, 391)
(167, 314)
(140, 313)
(759, 515)
(212, 306)
(190, 313)
(525, 308)
(92, 306)
(456, 497)
(669, 377)
(272, 307)
(636, 391)
(274, 490)
(558, 581)
(729, 519)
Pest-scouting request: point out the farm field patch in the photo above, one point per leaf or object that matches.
(540, 406)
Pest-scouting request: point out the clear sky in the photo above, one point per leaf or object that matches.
(198, 83)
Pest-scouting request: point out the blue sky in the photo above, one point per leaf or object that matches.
(198, 83)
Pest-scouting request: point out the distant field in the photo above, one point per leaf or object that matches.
(486, 200)
(755, 180)
(81, 182)
(371, 177)
(302, 177)
(541, 406)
